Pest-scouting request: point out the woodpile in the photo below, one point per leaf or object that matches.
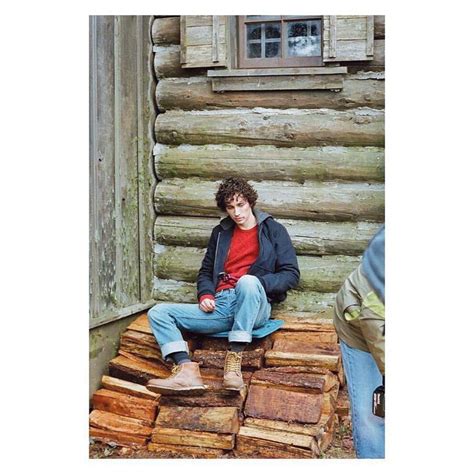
(289, 408)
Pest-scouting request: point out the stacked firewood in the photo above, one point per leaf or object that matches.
(288, 409)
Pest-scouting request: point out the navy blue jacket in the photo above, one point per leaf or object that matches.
(276, 266)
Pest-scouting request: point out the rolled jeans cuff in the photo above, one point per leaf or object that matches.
(240, 336)
(174, 346)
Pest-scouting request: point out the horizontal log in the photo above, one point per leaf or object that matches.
(326, 360)
(293, 342)
(280, 404)
(129, 388)
(124, 424)
(307, 339)
(211, 398)
(309, 238)
(214, 379)
(185, 452)
(251, 447)
(166, 63)
(313, 200)
(137, 371)
(376, 64)
(267, 163)
(222, 344)
(215, 359)
(126, 405)
(324, 274)
(121, 439)
(183, 292)
(212, 419)
(303, 381)
(195, 93)
(166, 30)
(343, 404)
(193, 438)
(379, 26)
(281, 127)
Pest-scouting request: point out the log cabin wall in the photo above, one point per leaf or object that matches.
(315, 156)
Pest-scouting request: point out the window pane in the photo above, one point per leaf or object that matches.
(254, 50)
(254, 32)
(304, 38)
(272, 49)
(272, 30)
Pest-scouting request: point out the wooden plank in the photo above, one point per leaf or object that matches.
(193, 438)
(250, 447)
(251, 359)
(293, 71)
(203, 35)
(129, 388)
(166, 30)
(182, 49)
(353, 27)
(370, 35)
(277, 83)
(379, 26)
(126, 405)
(325, 360)
(121, 439)
(212, 419)
(277, 404)
(286, 127)
(332, 36)
(201, 56)
(123, 424)
(267, 162)
(178, 451)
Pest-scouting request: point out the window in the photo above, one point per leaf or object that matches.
(280, 41)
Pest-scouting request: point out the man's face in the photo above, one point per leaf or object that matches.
(239, 210)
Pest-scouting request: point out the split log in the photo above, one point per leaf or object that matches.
(193, 438)
(177, 451)
(211, 419)
(214, 378)
(123, 424)
(303, 382)
(304, 344)
(321, 321)
(292, 439)
(324, 359)
(137, 371)
(129, 388)
(313, 200)
(329, 403)
(281, 127)
(343, 404)
(308, 238)
(195, 93)
(222, 344)
(126, 405)
(277, 404)
(211, 398)
(185, 292)
(325, 274)
(307, 339)
(121, 439)
(166, 30)
(251, 447)
(215, 359)
(166, 63)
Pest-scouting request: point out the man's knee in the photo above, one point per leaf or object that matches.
(157, 313)
(247, 283)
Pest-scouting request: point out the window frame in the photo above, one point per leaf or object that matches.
(284, 61)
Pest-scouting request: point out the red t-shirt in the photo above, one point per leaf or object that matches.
(243, 252)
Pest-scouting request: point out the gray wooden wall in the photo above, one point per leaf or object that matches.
(121, 172)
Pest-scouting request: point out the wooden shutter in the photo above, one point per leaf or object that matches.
(203, 41)
(348, 38)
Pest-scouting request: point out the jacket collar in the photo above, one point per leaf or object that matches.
(261, 216)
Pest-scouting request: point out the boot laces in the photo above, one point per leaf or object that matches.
(233, 362)
(175, 370)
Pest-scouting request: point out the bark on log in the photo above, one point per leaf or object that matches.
(313, 200)
(185, 452)
(302, 321)
(167, 63)
(281, 127)
(183, 292)
(121, 439)
(215, 359)
(215, 419)
(251, 447)
(285, 405)
(166, 30)
(193, 438)
(323, 274)
(126, 405)
(322, 359)
(210, 398)
(136, 371)
(309, 238)
(303, 381)
(195, 93)
(123, 424)
(129, 388)
(267, 162)
(222, 344)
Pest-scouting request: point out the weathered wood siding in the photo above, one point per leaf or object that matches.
(121, 171)
(316, 158)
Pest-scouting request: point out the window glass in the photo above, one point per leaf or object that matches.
(304, 38)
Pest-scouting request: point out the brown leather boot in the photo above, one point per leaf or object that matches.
(233, 371)
(185, 379)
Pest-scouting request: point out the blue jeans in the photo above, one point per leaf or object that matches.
(238, 310)
(363, 377)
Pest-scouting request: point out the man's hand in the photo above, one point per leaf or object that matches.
(207, 305)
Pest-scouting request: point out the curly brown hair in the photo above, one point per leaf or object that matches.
(229, 187)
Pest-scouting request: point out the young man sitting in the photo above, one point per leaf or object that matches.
(250, 262)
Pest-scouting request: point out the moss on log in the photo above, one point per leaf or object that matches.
(281, 127)
(271, 163)
(311, 200)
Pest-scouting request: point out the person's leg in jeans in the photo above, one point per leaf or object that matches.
(363, 377)
(251, 310)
